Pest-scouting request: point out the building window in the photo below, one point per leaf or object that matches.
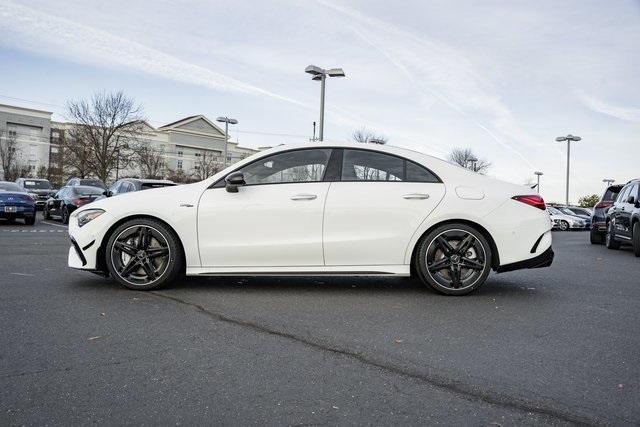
(180, 153)
(179, 165)
(13, 134)
(198, 154)
(55, 134)
(54, 150)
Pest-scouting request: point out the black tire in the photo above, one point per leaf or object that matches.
(47, 215)
(610, 238)
(143, 254)
(564, 225)
(30, 220)
(635, 238)
(596, 238)
(65, 215)
(440, 264)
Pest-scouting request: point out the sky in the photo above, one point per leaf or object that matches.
(501, 77)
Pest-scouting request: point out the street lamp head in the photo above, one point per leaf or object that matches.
(568, 138)
(336, 72)
(227, 120)
(313, 69)
(561, 138)
(317, 77)
(538, 173)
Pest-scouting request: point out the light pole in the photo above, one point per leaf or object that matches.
(568, 138)
(539, 174)
(226, 121)
(608, 181)
(117, 151)
(321, 75)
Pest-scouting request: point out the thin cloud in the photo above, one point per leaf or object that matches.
(53, 35)
(622, 113)
(439, 70)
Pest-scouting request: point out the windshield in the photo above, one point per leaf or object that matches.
(10, 186)
(33, 184)
(87, 191)
(553, 211)
(567, 211)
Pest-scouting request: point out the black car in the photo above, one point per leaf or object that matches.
(68, 199)
(15, 203)
(40, 189)
(599, 216)
(91, 182)
(623, 218)
(127, 185)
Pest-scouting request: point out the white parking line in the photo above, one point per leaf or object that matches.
(55, 225)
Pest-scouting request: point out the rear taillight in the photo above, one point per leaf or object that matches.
(604, 204)
(532, 200)
(80, 201)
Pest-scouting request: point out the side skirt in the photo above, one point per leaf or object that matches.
(341, 270)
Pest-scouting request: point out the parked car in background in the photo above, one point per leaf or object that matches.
(623, 218)
(68, 199)
(91, 182)
(565, 222)
(16, 203)
(39, 189)
(599, 217)
(580, 211)
(127, 185)
(312, 209)
(569, 211)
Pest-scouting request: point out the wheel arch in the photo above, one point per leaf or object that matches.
(100, 256)
(495, 255)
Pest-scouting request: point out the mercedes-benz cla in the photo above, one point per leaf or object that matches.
(319, 209)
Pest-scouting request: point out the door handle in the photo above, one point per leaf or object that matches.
(415, 196)
(304, 197)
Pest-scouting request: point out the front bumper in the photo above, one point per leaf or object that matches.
(545, 259)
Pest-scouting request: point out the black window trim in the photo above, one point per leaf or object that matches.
(336, 155)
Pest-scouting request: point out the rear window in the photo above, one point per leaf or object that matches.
(87, 191)
(611, 193)
(150, 185)
(10, 186)
(37, 185)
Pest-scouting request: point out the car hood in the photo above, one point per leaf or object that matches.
(155, 198)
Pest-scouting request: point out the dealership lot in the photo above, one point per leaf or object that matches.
(558, 345)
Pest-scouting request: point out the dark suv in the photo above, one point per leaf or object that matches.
(623, 218)
(599, 216)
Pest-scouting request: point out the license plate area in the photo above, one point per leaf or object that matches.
(10, 209)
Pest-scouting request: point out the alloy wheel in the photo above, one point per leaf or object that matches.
(140, 255)
(456, 259)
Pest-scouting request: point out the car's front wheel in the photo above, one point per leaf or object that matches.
(610, 238)
(30, 220)
(595, 238)
(65, 215)
(453, 259)
(143, 254)
(564, 225)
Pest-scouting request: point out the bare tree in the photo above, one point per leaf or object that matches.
(150, 160)
(103, 128)
(465, 158)
(9, 155)
(365, 136)
(207, 164)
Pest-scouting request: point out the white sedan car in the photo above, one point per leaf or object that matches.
(319, 209)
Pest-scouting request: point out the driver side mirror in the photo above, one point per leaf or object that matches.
(631, 200)
(107, 193)
(234, 181)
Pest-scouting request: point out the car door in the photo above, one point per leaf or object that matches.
(372, 213)
(615, 210)
(56, 203)
(624, 214)
(274, 220)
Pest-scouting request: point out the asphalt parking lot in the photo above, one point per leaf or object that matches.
(549, 346)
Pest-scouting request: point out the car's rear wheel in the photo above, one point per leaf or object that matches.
(143, 254)
(636, 239)
(47, 215)
(610, 238)
(564, 225)
(453, 259)
(30, 220)
(595, 237)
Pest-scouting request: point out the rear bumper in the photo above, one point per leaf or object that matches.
(543, 260)
(21, 212)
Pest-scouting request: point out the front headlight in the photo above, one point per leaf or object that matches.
(85, 217)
